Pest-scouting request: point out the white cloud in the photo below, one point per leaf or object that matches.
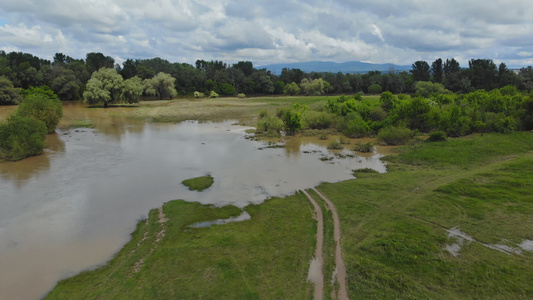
(271, 30)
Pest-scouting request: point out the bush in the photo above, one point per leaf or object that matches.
(364, 148)
(269, 125)
(317, 120)
(355, 126)
(227, 89)
(437, 136)
(21, 137)
(213, 94)
(41, 105)
(198, 95)
(335, 145)
(394, 135)
(292, 121)
(8, 93)
(241, 95)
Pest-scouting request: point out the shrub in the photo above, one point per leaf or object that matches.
(292, 121)
(241, 95)
(437, 136)
(21, 137)
(198, 95)
(263, 113)
(213, 94)
(365, 148)
(394, 135)
(335, 145)
(355, 126)
(41, 105)
(317, 120)
(227, 89)
(269, 125)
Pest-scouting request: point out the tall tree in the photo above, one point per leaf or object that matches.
(105, 86)
(161, 85)
(436, 70)
(420, 70)
(483, 74)
(451, 66)
(96, 60)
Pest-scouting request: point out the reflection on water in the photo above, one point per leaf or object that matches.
(76, 205)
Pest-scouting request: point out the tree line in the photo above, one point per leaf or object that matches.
(70, 78)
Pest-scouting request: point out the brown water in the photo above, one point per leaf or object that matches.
(75, 206)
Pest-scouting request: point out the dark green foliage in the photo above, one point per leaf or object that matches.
(8, 93)
(437, 136)
(375, 89)
(42, 104)
(394, 135)
(21, 137)
(227, 89)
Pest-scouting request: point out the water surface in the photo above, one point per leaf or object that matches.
(75, 206)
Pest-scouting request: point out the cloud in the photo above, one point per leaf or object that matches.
(271, 31)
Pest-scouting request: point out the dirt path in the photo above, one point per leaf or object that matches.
(315, 270)
(340, 268)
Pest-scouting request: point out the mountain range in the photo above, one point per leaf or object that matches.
(327, 66)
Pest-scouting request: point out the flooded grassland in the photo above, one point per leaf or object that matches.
(75, 206)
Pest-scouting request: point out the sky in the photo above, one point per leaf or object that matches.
(272, 31)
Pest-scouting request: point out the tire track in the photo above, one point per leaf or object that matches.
(315, 270)
(340, 267)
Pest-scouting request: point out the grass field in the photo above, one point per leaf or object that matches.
(395, 227)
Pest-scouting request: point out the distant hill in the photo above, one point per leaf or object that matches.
(326, 66)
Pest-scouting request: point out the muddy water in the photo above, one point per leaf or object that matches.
(73, 207)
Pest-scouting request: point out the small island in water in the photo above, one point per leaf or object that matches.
(199, 183)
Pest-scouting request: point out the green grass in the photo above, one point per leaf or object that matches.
(394, 224)
(199, 183)
(266, 257)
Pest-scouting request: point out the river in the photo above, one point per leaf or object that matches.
(73, 207)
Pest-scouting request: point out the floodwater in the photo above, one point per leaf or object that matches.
(73, 207)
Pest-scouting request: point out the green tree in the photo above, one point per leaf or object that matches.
(292, 121)
(105, 86)
(483, 74)
(437, 71)
(375, 89)
(227, 89)
(132, 89)
(291, 89)
(96, 60)
(21, 137)
(420, 70)
(42, 104)
(8, 93)
(161, 85)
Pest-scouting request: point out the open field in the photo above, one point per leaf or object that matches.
(219, 109)
(395, 227)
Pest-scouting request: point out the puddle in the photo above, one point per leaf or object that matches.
(244, 216)
(527, 245)
(463, 239)
(315, 272)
